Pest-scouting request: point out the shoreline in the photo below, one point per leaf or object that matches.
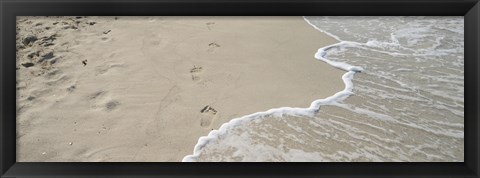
(180, 68)
(285, 111)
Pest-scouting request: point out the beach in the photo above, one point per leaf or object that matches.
(145, 89)
(403, 100)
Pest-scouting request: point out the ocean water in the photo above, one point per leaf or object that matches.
(403, 99)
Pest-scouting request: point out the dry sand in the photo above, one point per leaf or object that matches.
(134, 88)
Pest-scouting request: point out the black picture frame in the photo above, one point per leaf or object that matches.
(9, 9)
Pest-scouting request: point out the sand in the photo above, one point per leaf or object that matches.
(141, 89)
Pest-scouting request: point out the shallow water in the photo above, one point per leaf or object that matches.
(407, 102)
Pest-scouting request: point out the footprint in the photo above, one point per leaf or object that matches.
(105, 39)
(37, 72)
(99, 70)
(151, 45)
(96, 95)
(33, 55)
(111, 105)
(206, 121)
(46, 56)
(29, 40)
(156, 125)
(210, 25)
(154, 42)
(102, 100)
(96, 99)
(212, 47)
(208, 114)
(71, 88)
(56, 81)
(195, 71)
(48, 40)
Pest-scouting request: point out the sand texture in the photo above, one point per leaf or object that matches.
(146, 88)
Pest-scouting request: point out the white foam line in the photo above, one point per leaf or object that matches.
(323, 31)
(310, 111)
